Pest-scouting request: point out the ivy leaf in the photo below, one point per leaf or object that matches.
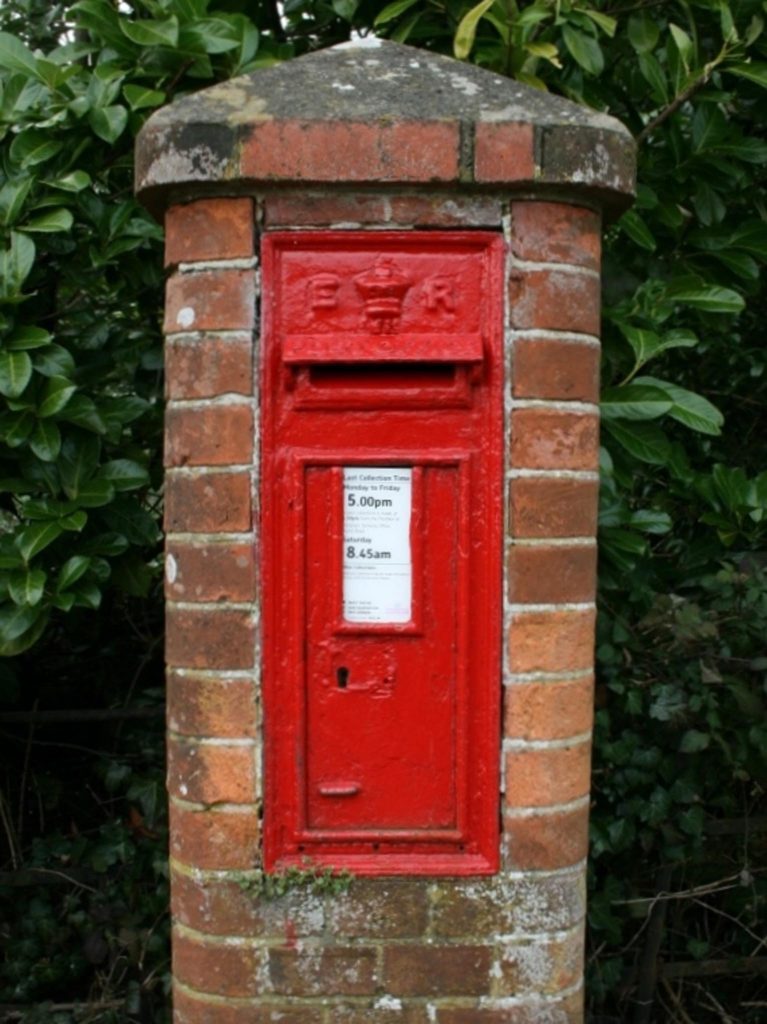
(15, 372)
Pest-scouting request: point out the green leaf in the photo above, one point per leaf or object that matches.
(78, 460)
(693, 741)
(75, 181)
(643, 32)
(140, 96)
(56, 394)
(26, 588)
(15, 56)
(467, 29)
(109, 122)
(32, 147)
(753, 71)
(693, 410)
(45, 441)
(637, 230)
(15, 264)
(95, 493)
(124, 474)
(634, 402)
(156, 32)
(52, 221)
(71, 571)
(24, 338)
(584, 49)
(645, 441)
(607, 23)
(709, 298)
(18, 429)
(54, 361)
(15, 372)
(35, 538)
(650, 520)
(392, 11)
(683, 44)
(13, 195)
(654, 75)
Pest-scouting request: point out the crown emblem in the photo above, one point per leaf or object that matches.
(383, 289)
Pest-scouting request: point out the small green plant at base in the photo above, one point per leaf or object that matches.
(311, 878)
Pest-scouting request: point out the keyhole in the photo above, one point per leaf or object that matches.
(342, 675)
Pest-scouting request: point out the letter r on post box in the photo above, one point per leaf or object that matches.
(381, 558)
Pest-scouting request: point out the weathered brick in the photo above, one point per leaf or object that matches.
(551, 641)
(553, 508)
(540, 968)
(207, 774)
(219, 907)
(214, 839)
(544, 842)
(446, 211)
(209, 229)
(210, 572)
(210, 706)
(555, 233)
(538, 778)
(222, 970)
(400, 151)
(323, 209)
(381, 908)
(207, 503)
(191, 1010)
(384, 1010)
(476, 908)
(504, 152)
(543, 575)
(324, 970)
(554, 439)
(210, 300)
(566, 1011)
(548, 368)
(437, 970)
(217, 639)
(548, 711)
(211, 435)
(207, 367)
(555, 300)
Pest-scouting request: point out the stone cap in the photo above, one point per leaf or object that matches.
(377, 113)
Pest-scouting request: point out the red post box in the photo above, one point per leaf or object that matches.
(381, 549)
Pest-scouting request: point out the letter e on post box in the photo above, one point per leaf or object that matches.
(381, 504)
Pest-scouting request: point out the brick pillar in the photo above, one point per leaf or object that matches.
(473, 151)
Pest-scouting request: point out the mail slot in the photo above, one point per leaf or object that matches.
(381, 506)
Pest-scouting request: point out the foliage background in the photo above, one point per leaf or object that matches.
(681, 739)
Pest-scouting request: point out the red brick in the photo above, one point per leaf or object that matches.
(210, 300)
(325, 970)
(218, 969)
(437, 970)
(189, 1010)
(373, 1013)
(554, 439)
(210, 572)
(207, 774)
(504, 152)
(209, 229)
(566, 1011)
(343, 151)
(541, 968)
(208, 367)
(553, 508)
(208, 706)
(555, 233)
(214, 839)
(322, 210)
(381, 908)
(446, 211)
(227, 908)
(548, 368)
(555, 300)
(539, 778)
(549, 711)
(207, 503)
(219, 639)
(543, 575)
(213, 435)
(544, 842)
(551, 641)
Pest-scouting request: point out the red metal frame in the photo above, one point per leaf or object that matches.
(396, 773)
